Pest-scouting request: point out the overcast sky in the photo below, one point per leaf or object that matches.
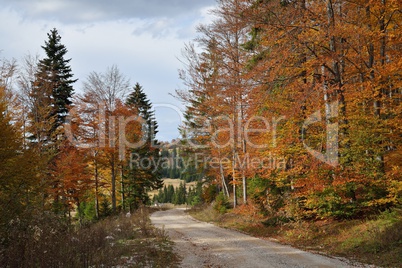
(143, 38)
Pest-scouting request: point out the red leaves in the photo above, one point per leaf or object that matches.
(70, 177)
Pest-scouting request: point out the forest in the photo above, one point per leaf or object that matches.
(296, 105)
(292, 111)
(66, 156)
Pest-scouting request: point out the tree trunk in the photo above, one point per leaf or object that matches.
(122, 189)
(234, 179)
(113, 171)
(222, 175)
(96, 189)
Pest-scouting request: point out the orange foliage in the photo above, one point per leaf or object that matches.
(321, 81)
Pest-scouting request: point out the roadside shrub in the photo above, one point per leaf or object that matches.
(221, 203)
(209, 193)
(276, 220)
(386, 231)
(38, 239)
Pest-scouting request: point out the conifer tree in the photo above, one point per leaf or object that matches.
(146, 175)
(52, 89)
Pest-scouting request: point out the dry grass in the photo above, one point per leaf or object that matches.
(205, 213)
(43, 240)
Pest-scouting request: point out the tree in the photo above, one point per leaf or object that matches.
(48, 89)
(72, 179)
(180, 194)
(52, 89)
(27, 103)
(320, 82)
(20, 187)
(108, 87)
(145, 174)
(105, 91)
(307, 56)
(215, 78)
(86, 130)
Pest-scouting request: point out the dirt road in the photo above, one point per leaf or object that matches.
(205, 245)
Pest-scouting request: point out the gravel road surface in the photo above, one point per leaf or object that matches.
(202, 244)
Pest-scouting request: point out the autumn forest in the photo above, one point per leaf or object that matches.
(299, 103)
(292, 108)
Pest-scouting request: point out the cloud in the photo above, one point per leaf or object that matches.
(83, 11)
(158, 28)
(143, 38)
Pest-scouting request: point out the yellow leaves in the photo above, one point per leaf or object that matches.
(381, 202)
(337, 62)
(395, 191)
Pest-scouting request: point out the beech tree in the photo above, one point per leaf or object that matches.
(105, 91)
(20, 186)
(321, 79)
(322, 63)
(71, 177)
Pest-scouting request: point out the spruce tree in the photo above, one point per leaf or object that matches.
(50, 96)
(53, 86)
(144, 178)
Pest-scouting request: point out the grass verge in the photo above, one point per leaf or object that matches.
(375, 240)
(43, 240)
